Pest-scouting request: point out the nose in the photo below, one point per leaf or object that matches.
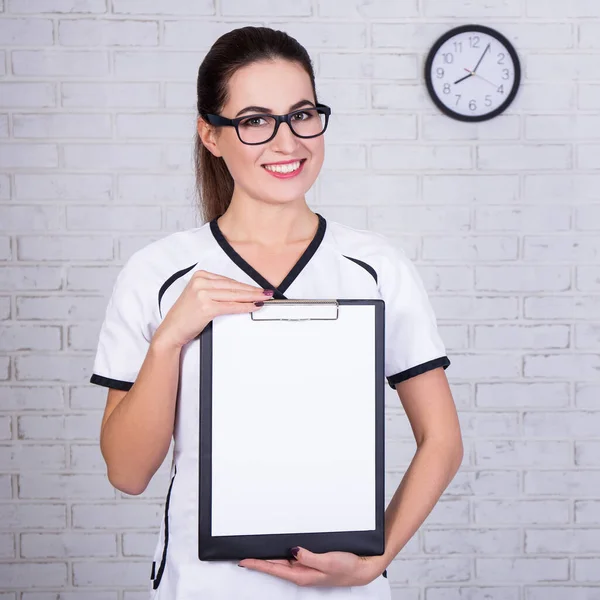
(285, 141)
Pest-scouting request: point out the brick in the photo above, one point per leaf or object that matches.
(559, 425)
(64, 186)
(65, 248)
(477, 307)
(465, 189)
(355, 189)
(26, 515)
(557, 592)
(68, 545)
(27, 95)
(401, 96)
(586, 512)
(578, 483)
(19, 156)
(26, 32)
(7, 547)
(101, 218)
(30, 278)
(24, 397)
(345, 157)
(91, 278)
(146, 64)
(113, 157)
(527, 218)
(407, 157)
(572, 248)
(31, 218)
(439, 127)
(523, 453)
(325, 34)
(526, 512)
(472, 593)
(57, 6)
(557, 307)
(123, 573)
(158, 7)
(20, 457)
(434, 570)
(491, 8)
(562, 127)
(51, 63)
(446, 278)
(588, 218)
(58, 125)
(523, 569)
(586, 569)
(110, 95)
(472, 248)
(587, 337)
(506, 337)
(25, 575)
(484, 483)
(587, 454)
(586, 395)
(62, 427)
(576, 366)
(558, 67)
(154, 126)
(87, 457)
(472, 541)
(346, 97)
(522, 278)
(489, 425)
(260, 8)
(83, 336)
(524, 157)
(368, 66)
(138, 515)
(414, 219)
(97, 32)
(558, 9)
(542, 96)
(525, 394)
(53, 367)
(14, 338)
(552, 188)
(64, 486)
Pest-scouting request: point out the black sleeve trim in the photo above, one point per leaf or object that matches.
(117, 384)
(443, 361)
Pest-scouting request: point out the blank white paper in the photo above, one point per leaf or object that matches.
(293, 424)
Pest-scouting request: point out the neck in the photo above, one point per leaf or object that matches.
(257, 222)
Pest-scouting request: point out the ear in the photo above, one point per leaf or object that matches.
(208, 136)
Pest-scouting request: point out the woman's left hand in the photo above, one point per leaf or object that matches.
(327, 569)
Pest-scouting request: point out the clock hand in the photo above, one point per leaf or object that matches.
(480, 77)
(465, 77)
(486, 49)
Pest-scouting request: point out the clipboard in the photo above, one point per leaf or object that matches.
(291, 425)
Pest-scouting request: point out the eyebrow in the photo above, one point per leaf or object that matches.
(262, 109)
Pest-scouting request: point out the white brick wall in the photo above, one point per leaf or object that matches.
(502, 219)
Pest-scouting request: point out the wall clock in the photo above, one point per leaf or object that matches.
(472, 73)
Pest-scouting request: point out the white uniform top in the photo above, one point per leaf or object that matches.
(340, 262)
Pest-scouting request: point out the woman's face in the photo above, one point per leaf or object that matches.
(277, 86)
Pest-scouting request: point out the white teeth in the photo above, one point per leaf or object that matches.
(284, 168)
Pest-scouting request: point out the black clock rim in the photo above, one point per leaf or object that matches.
(480, 29)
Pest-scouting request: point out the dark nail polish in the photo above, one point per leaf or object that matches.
(259, 303)
(268, 292)
(295, 551)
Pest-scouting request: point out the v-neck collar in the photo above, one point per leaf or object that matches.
(254, 274)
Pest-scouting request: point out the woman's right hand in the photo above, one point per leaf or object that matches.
(206, 296)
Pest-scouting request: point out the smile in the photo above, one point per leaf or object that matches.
(287, 170)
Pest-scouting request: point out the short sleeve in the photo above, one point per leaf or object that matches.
(126, 330)
(412, 342)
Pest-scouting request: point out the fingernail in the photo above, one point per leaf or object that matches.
(295, 551)
(259, 303)
(242, 566)
(268, 292)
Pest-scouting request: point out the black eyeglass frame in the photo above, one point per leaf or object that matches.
(222, 121)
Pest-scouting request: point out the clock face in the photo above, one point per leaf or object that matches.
(472, 73)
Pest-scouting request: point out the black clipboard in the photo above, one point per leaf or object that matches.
(355, 327)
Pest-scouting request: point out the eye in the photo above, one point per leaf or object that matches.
(256, 121)
(303, 115)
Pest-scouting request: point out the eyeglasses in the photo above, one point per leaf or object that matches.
(261, 128)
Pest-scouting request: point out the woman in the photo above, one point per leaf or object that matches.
(260, 241)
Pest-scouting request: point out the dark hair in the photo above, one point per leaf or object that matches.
(233, 50)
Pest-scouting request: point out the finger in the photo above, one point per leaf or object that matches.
(234, 283)
(230, 308)
(237, 296)
(297, 573)
(321, 562)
